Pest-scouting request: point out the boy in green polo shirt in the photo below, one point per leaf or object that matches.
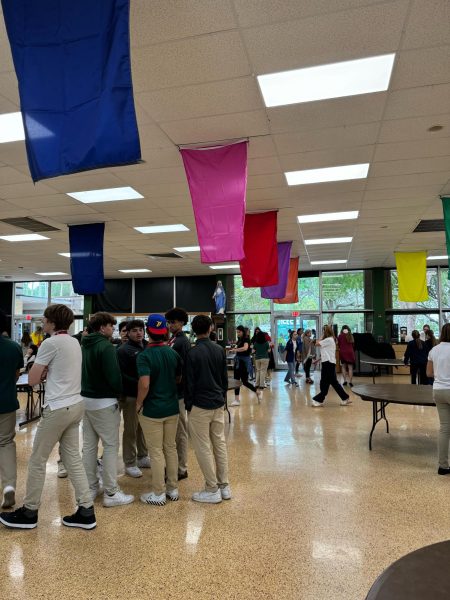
(11, 359)
(159, 369)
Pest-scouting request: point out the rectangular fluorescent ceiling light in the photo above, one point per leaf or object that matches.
(336, 80)
(337, 240)
(11, 128)
(162, 228)
(328, 262)
(66, 254)
(325, 217)
(54, 273)
(134, 271)
(23, 237)
(218, 267)
(188, 249)
(106, 195)
(342, 173)
(444, 257)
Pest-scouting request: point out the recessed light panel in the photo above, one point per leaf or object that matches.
(66, 254)
(218, 267)
(336, 240)
(326, 174)
(11, 128)
(106, 195)
(325, 217)
(162, 228)
(443, 257)
(188, 249)
(328, 262)
(134, 271)
(23, 237)
(50, 274)
(336, 80)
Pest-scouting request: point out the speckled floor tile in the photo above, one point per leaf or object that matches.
(314, 516)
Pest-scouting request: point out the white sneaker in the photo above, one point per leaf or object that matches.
(144, 462)
(61, 473)
(236, 401)
(152, 498)
(207, 497)
(96, 491)
(173, 495)
(225, 492)
(9, 496)
(118, 499)
(345, 402)
(133, 471)
(259, 395)
(314, 403)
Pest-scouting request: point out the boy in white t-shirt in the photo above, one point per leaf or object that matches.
(59, 362)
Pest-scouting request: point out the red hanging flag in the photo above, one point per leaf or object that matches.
(259, 268)
(292, 286)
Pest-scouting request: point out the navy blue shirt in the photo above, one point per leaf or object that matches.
(290, 351)
(416, 354)
(11, 359)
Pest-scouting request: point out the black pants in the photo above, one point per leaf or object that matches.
(243, 376)
(328, 377)
(307, 367)
(297, 366)
(421, 371)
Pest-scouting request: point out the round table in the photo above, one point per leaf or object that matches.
(421, 575)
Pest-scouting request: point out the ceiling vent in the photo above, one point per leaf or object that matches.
(428, 225)
(164, 256)
(29, 224)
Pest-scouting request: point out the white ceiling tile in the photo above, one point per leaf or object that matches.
(416, 128)
(413, 180)
(326, 158)
(427, 24)
(418, 102)
(262, 166)
(426, 66)
(431, 147)
(411, 166)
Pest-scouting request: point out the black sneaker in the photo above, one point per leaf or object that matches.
(442, 471)
(81, 520)
(344, 384)
(350, 384)
(182, 476)
(22, 518)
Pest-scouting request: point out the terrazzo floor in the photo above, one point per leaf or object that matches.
(314, 516)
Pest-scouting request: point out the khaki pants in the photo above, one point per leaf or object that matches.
(442, 399)
(133, 440)
(101, 424)
(160, 435)
(182, 438)
(261, 371)
(61, 425)
(208, 438)
(8, 463)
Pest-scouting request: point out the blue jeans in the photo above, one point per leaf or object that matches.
(290, 375)
(249, 364)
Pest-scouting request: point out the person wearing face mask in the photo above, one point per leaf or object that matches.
(346, 343)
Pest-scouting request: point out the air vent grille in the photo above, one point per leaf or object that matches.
(430, 225)
(164, 256)
(29, 224)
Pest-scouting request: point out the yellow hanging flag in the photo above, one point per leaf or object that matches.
(412, 276)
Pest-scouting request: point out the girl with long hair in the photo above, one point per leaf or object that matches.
(241, 364)
(346, 343)
(291, 353)
(328, 377)
(417, 355)
(308, 354)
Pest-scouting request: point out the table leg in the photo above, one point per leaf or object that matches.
(378, 414)
(373, 373)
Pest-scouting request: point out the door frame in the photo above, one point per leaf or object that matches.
(297, 323)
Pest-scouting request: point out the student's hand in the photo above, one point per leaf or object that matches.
(138, 408)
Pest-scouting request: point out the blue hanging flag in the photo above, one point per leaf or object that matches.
(86, 258)
(72, 61)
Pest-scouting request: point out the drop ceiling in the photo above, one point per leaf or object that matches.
(194, 66)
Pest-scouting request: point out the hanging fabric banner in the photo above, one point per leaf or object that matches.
(412, 276)
(259, 268)
(291, 296)
(279, 290)
(446, 210)
(217, 179)
(86, 258)
(72, 61)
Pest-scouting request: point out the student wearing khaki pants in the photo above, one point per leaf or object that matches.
(205, 389)
(159, 369)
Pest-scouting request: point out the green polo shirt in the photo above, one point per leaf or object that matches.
(11, 359)
(163, 365)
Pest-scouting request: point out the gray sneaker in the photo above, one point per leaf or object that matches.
(207, 497)
(117, 499)
(225, 492)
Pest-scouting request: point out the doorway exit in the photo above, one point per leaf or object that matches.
(282, 325)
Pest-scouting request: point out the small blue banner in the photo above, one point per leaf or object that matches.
(86, 258)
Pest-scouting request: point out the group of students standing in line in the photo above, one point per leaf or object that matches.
(156, 384)
(416, 354)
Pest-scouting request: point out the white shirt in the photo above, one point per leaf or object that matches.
(98, 403)
(328, 350)
(440, 357)
(62, 355)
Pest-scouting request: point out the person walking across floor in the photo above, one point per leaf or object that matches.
(58, 361)
(101, 387)
(346, 343)
(11, 359)
(308, 354)
(417, 355)
(159, 369)
(134, 448)
(176, 319)
(205, 390)
(241, 363)
(438, 367)
(261, 348)
(291, 356)
(299, 351)
(327, 345)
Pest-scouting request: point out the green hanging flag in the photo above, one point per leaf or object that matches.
(446, 210)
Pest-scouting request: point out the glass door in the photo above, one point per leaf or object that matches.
(283, 325)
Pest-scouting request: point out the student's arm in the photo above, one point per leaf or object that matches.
(189, 382)
(224, 374)
(406, 356)
(179, 370)
(143, 387)
(111, 369)
(37, 374)
(45, 355)
(430, 370)
(243, 349)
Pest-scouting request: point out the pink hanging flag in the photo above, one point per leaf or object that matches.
(279, 290)
(217, 179)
